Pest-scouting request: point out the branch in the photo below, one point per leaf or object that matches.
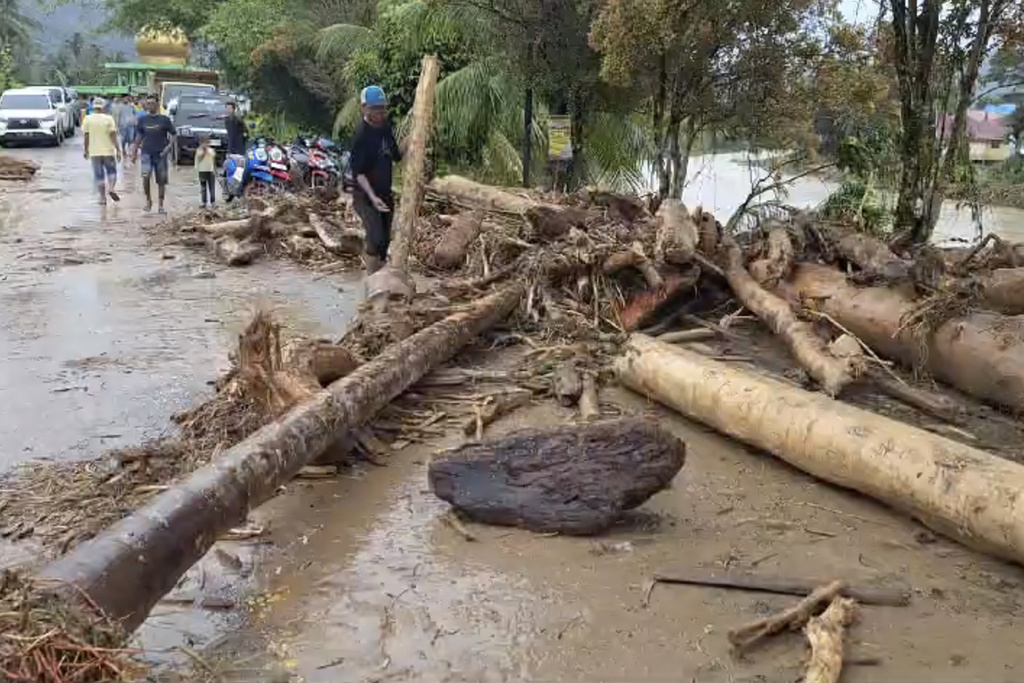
(1011, 84)
(758, 189)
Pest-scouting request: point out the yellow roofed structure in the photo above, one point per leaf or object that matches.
(162, 47)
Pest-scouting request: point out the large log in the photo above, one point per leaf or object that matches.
(956, 490)
(451, 249)
(572, 479)
(548, 221)
(778, 259)
(810, 351)
(125, 570)
(677, 235)
(871, 255)
(981, 353)
(1002, 290)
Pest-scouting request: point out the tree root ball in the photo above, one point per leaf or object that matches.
(574, 480)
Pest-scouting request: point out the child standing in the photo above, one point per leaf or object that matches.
(206, 161)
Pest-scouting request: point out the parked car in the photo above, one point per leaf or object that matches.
(197, 116)
(28, 116)
(64, 103)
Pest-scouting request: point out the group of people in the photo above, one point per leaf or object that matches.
(122, 133)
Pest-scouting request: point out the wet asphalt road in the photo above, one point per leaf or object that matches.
(103, 332)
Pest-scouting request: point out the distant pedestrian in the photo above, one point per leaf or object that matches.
(155, 137)
(101, 148)
(234, 124)
(124, 114)
(206, 163)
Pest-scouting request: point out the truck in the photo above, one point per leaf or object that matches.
(170, 84)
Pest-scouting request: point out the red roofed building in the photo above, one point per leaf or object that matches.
(986, 135)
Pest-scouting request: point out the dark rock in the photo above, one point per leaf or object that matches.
(575, 479)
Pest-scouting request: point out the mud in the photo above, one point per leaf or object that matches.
(358, 579)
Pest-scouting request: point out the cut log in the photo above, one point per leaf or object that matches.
(499, 407)
(573, 479)
(778, 261)
(451, 250)
(125, 570)
(319, 358)
(871, 255)
(567, 384)
(239, 228)
(956, 490)
(825, 635)
(394, 279)
(980, 353)
(620, 207)
(1002, 290)
(807, 347)
(548, 221)
(677, 237)
(337, 240)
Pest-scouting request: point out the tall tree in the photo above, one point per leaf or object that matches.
(16, 27)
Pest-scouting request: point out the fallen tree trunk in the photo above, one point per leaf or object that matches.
(958, 491)
(548, 221)
(337, 240)
(235, 252)
(807, 347)
(980, 353)
(125, 570)
(871, 255)
(459, 236)
(1002, 290)
(778, 261)
(575, 479)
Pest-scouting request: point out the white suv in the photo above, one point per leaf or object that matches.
(61, 98)
(30, 115)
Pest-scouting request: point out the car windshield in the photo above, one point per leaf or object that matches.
(200, 112)
(24, 101)
(175, 91)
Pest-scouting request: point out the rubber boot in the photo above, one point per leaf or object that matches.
(372, 263)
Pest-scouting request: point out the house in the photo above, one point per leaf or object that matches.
(987, 133)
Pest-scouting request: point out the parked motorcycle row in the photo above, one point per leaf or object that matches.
(269, 167)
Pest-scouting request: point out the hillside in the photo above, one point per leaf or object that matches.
(83, 16)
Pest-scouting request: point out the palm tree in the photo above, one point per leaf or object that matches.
(16, 27)
(480, 106)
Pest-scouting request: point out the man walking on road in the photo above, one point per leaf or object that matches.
(101, 148)
(155, 137)
(124, 115)
(374, 151)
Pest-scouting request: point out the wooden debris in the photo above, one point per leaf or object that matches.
(825, 635)
(589, 404)
(677, 234)
(567, 383)
(457, 238)
(791, 619)
(497, 407)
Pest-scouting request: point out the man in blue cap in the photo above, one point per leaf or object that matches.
(374, 151)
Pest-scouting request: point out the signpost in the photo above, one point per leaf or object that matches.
(559, 147)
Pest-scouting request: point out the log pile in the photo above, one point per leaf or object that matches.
(12, 168)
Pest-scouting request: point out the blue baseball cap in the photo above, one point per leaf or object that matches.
(373, 96)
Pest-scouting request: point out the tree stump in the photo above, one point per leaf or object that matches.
(574, 480)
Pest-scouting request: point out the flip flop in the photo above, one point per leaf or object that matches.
(115, 196)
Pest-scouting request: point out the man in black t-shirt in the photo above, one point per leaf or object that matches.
(234, 124)
(374, 151)
(155, 136)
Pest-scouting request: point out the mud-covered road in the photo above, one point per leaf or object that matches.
(103, 334)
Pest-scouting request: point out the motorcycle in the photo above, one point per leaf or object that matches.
(249, 174)
(314, 160)
(278, 164)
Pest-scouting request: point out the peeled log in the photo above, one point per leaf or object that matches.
(981, 353)
(802, 341)
(125, 570)
(677, 235)
(573, 480)
(956, 490)
(451, 250)
(548, 221)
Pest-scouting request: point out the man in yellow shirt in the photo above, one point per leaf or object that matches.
(101, 147)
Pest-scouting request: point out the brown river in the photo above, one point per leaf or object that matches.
(104, 334)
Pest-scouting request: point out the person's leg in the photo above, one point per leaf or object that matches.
(110, 168)
(98, 171)
(146, 167)
(211, 179)
(161, 181)
(373, 225)
(202, 187)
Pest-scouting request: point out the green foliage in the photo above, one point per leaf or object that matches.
(857, 203)
(239, 27)
(16, 28)
(188, 15)
(8, 68)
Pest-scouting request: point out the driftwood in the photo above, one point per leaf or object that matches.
(779, 585)
(575, 479)
(807, 347)
(567, 384)
(457, 239)
(1002, 290)
(627, 209)
(589, 403)
(236, 252)
(634, 257)
(125, 570)
(335, 239)
(12, 168)
(547, 221)
(686, 336)
(498, 407)
(710, 230)
(825, 635)
(927, 402)
(677, 234)
(871, 255)
(980, 353)
(961, 492)
(791, 619)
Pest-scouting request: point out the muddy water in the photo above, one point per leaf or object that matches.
(104, 336)
(722, 181)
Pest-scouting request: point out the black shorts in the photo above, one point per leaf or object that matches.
(376, 224)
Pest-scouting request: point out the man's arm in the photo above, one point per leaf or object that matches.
(172, 133)
(113, 138)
